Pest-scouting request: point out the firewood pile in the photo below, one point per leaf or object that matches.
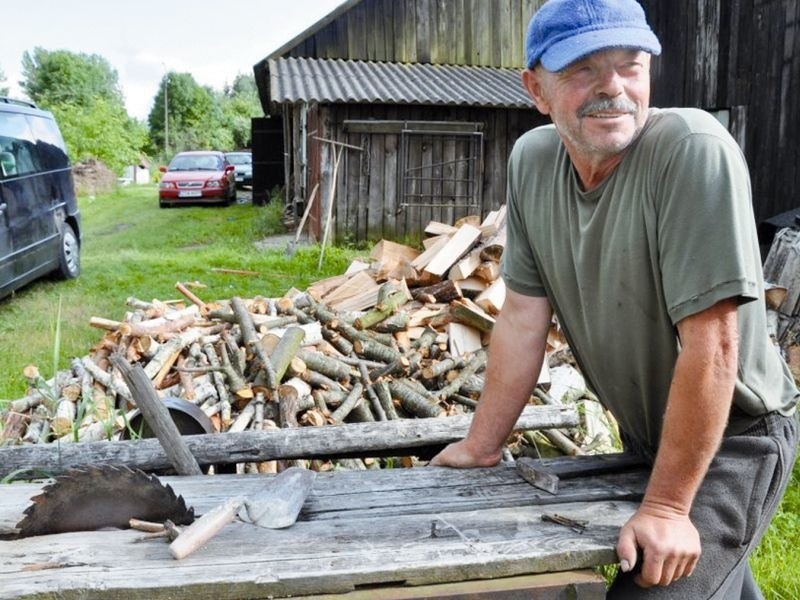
(401, 335)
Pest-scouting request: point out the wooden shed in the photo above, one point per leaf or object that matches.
(426, 94)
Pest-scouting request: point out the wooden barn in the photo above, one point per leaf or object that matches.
(425, 95)
(404, 111)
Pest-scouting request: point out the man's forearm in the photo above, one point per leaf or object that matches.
(697, 412)
(516, 354)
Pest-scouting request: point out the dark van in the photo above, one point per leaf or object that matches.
(39, 219)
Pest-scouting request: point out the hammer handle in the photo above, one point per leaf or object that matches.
(204, 528)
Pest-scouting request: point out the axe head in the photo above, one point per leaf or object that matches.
(537, 476)
(279, 505)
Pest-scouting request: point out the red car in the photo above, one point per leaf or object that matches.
(199, 176)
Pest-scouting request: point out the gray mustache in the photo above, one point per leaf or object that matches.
(606, 104)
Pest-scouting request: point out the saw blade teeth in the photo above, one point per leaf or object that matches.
(95, 487)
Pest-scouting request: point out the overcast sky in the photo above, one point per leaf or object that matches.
(214, 41)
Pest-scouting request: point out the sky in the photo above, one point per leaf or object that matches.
(142, 40)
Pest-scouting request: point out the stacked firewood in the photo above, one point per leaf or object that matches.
(400, 335)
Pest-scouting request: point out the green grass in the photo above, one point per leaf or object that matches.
(775, 561)
(133, 248)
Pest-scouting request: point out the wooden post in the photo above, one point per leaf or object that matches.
(157, 417)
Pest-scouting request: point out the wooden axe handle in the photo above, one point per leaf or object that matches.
(204, 528)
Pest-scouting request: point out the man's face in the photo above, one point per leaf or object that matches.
(598, 104)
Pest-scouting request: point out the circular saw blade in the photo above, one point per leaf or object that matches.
(92, 498)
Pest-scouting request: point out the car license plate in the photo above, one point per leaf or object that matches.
(189, 194)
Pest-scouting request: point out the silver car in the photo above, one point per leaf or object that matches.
(243, 162)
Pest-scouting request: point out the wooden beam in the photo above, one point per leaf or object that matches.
(399, 437)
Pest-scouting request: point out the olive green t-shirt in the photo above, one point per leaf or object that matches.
(668, 234)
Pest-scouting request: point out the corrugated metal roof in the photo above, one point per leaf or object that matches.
(350, 81)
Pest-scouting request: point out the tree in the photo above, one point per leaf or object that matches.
(194, 117)
(105, 133)
(3, 88)
(83, 93)
(53, 77)
(240, 103)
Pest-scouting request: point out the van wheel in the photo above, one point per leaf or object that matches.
(69, 258)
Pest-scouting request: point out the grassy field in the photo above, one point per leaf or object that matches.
(133, 248)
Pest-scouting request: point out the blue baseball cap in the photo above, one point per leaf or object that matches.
(563, 31)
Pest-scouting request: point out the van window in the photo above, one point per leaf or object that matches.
(18, 155)
(49, 143)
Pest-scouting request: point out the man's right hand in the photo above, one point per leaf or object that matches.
(460, 455)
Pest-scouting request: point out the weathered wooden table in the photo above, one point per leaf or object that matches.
(372, 534)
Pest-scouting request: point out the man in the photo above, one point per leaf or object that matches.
(635, 226)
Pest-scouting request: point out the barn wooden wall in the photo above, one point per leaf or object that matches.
(739, 53)
(456, 32)
(366, 203)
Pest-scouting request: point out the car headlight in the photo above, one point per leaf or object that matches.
(214, 183)
(167, 185)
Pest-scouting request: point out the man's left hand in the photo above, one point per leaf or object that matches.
(669, 542)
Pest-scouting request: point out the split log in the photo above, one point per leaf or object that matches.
(493, 249)
(488, 270)
(492, 298)
(432, 248)
(436, 228)
(463, 339)
(466, 266)
(469, 313)
(461, 241)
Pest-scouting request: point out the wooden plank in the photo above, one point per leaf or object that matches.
(578, 585)
(374, 200)
(461, 241)
(423, 38)
(391, 141)
(314, 557)
(252, 446)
